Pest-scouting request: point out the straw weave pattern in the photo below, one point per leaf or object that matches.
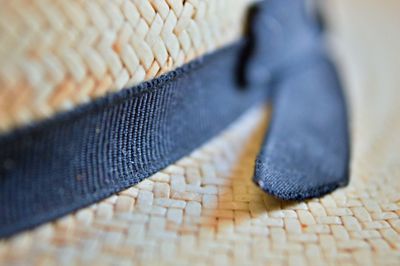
(57, 54)
(205, 210)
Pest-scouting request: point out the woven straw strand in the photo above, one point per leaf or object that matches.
(206, 204)
(57, 54)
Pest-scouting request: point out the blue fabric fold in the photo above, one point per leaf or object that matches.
(306, 150)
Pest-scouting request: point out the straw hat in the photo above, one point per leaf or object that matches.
(204, 208)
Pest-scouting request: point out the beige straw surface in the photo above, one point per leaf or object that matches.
(56, 54)
(205, 210)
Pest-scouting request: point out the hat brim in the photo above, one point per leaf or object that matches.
(207, 204)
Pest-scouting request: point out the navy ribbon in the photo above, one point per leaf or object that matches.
(77, 158)
(306, 151)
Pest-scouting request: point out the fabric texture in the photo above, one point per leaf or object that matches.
(77, 158)
(306, 152)
(80, 157)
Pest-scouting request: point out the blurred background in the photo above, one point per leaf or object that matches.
(365, 37)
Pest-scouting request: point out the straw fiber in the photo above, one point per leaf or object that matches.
(57, 54)
(205, 209)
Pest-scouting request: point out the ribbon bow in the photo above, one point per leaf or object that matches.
(306, 150)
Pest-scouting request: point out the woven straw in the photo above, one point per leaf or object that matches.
(57, 54)
(205, 210)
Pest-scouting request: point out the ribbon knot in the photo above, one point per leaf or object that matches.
(306, 151)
